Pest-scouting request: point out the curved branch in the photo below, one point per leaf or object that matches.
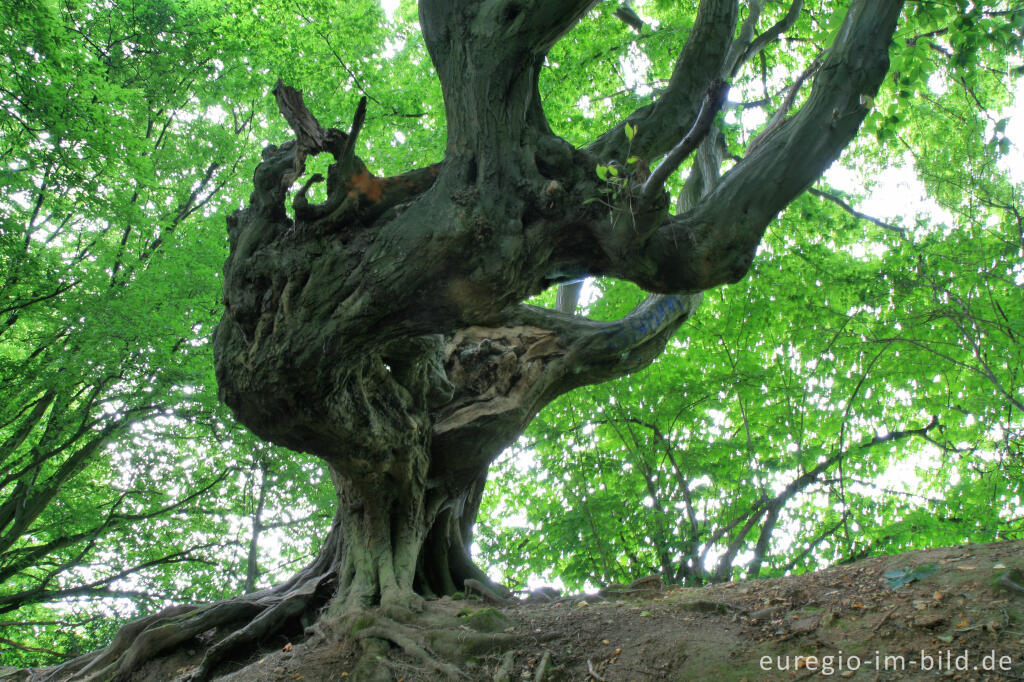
(745, 37)
(537, 355)
(662, 124)
(838, 201)
(712, 103)
(746, 46)
(545, 21)
(715, 242)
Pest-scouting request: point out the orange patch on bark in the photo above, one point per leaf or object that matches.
(367, 185)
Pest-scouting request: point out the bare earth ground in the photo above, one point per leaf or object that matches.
(959, 616)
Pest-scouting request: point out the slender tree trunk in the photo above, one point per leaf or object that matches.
(252, 567)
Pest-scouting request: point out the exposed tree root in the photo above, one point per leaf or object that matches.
(251, 618)
(141, 641)
(487, 592)
(593, 673)
(542, 667)
(104, 659)
(406, 642)
(290, 606)
(354, 589)
(435, 641)
(504, 671)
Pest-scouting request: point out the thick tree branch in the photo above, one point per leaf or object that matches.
(626, 14)
(568, 296)
(544, 22)
(310, 134)
(744, 38)
(533, 24)
(561, 353)
(487, 55)
(662, 124)
(716, 241)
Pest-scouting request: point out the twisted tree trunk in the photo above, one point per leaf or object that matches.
(382, 330)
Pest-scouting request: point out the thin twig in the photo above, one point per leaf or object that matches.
(854, 212)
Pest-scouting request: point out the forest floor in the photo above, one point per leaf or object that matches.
(951, 613)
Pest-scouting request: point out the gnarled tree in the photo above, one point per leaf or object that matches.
(383, 329)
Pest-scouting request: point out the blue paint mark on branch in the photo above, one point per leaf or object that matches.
(642, 324)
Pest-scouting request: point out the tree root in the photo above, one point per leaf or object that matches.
(1009, 581)
(140, 641)
(542, 667)
(504, 671)
(409, 646)
(436, 640)
(271, 620)
(592, 674)
(489, 595)
(103, 658)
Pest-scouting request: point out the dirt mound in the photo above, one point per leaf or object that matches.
(952, 613)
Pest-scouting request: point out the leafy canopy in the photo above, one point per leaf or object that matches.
(860, 392)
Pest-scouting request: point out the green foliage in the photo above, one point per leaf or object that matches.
(129, 131)
(861, 392)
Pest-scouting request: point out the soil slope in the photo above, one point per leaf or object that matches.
(950, 613)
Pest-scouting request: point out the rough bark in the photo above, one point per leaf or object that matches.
(383, 330)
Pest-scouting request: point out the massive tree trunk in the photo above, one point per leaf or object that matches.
(383, 330)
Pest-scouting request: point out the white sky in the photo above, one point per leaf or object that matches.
(390, 7)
